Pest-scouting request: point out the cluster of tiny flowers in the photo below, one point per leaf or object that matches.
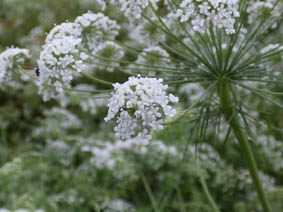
(206, 155)
(57, 63)
(96, 29)
(68, 29)
(154, 56)
(140, 105)
(57, 121)
(111, 155)
(32, 41)
(193, 91)
(109, 50)
(272, 151)
(245, 182)
(268, 65)
(177, 29)
(147, 33)
(58, 59)
(9, 59)
(132, 8)
(63, 55)
(201, 13)
(257, 7)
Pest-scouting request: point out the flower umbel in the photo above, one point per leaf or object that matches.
(10, 59)
(200, 13)
(140, 105)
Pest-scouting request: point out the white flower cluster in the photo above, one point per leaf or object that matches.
(9, 60)
(68, 29)
(132, 8)
(177, 29)
(140, 105)
(206, 154)
(147, 33)
(108, 50)
(154, 56)
(58, 59)
(201, 13)
(117, 157)
(257, 8)
(111, 155)
(245, 181)
(95, 27)
(269, 65)
(57, 121)
(193, 91)
(254, 8)
(63, 55)
(32, 41)
(272, 150)
(59, 149)
(57, 63)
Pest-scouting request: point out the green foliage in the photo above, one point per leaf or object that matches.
(47, 155)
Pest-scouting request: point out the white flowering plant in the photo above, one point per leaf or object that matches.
(227, 51)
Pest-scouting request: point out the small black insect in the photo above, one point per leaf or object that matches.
(36, 70)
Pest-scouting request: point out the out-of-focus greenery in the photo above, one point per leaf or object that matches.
(65, 159)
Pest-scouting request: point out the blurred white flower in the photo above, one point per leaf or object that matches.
(9, 60)
(200, 13)
(132, 8)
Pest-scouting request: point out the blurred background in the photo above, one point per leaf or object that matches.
(62, 156)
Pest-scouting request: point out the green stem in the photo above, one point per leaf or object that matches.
(230, 115)
(206, 190)
(75, 90)
(95, 80)
(181, 200)
(150, 194)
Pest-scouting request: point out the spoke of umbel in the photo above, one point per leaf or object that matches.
(232, 117)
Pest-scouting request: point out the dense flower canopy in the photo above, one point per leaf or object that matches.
(120, 64)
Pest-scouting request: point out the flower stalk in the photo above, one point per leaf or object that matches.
(232, 117)
(206, 190)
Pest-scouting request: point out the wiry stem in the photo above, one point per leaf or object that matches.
(233, 118)
(206, 190)
(95, 80)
